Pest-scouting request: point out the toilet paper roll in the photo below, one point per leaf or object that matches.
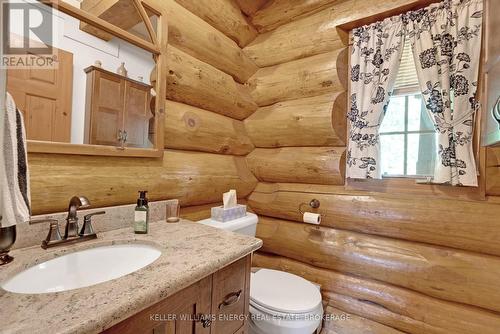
(312, 218)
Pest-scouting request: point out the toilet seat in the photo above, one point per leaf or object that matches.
(282, 294)
(286, 316)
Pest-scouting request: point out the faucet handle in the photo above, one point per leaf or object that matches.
(88, 218)
(87, 228)
(54, 233)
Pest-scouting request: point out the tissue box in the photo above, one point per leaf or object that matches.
(223, 215)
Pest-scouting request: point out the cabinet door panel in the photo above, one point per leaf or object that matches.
(107, 103)
(160, 329)
(137, 115)
(229, 296)
(174, 315)
(185, 324)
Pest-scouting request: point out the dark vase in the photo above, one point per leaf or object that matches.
(7, 239)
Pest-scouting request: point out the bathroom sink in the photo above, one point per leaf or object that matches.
(82, 268)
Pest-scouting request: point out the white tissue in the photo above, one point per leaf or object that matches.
(229, 199)
(312, 218)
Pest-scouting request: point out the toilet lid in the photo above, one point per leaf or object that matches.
(283, 292)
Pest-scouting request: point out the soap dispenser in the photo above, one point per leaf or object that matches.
(141, 214)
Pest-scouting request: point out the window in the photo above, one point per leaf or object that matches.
(407, 136)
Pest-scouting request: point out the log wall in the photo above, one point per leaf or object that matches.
(448, 274)
(400, 308)
(394, 256)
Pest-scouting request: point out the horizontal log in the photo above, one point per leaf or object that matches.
(445, 273)
(340, 322)
(250, 6)
(312, 76)
(400, 308)
(469, 225)
(372, 310)
(196, 83)
(192, 177)
(312, 121)
(306, 37)
(279, 12)
(322, 165)
(226, 16)
(191, 128)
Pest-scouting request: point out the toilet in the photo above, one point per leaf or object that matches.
(280, 302)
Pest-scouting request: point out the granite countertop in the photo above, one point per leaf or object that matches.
(190, 252)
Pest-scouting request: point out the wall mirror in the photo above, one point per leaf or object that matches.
(98, 97)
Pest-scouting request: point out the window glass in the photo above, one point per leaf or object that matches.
(394, 119)
(418, 119)
(392, 155)
(420, 151)
(407, 138)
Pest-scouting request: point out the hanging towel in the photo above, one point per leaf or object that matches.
(14, 170)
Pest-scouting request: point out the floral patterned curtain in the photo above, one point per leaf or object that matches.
(376, 54)
(446, 42)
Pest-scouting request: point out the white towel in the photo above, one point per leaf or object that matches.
(14, 176)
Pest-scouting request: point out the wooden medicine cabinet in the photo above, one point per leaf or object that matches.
(117, 110)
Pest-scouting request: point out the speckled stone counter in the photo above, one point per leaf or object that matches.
(190, 251)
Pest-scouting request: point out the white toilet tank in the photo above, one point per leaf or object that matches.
(244, 225)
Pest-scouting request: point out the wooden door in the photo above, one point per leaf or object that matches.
(137, 114)
(178, 314)
(44, 96)
(105, 94)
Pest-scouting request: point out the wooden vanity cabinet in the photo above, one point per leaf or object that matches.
(117, 110)
(217, 304)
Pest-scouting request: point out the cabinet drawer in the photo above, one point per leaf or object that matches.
(230, 295)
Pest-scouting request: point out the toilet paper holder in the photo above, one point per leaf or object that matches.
(314, 203)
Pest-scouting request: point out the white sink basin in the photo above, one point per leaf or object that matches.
(83, 268)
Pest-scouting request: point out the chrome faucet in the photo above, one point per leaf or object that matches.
(71, 233)
(76, 202)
